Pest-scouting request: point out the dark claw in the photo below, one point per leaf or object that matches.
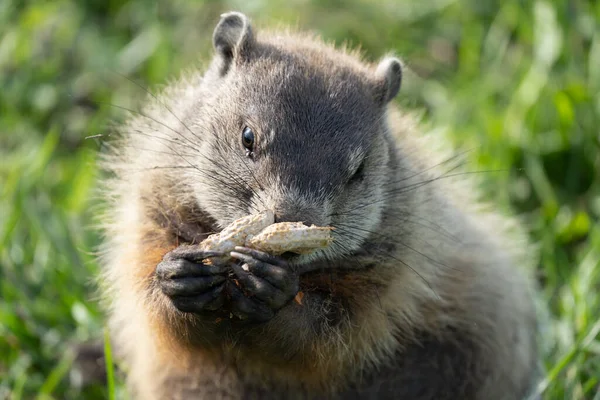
(191, 285)
(262, 256)
(191, 253)
(209, 301)
(179, 268)
(280, 277)
(261, 289)
(248, 309)
(266, 283)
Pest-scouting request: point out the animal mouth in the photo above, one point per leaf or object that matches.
(288, 255)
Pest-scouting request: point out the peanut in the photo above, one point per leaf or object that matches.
(259, 231)
(292, 237)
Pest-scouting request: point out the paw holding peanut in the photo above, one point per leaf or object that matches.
(260, 282)
(243, 275)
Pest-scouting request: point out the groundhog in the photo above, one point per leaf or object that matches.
(423, 293)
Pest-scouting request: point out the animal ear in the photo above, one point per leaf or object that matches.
(232, 38)
(389, 79)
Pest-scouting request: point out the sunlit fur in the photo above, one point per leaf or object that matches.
(415, 251)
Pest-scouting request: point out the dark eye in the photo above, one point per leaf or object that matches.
(248, 138)
(359, 173)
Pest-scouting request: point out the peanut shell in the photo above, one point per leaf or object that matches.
(292, 237)
(235, 234)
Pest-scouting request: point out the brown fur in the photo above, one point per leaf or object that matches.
(420, 299)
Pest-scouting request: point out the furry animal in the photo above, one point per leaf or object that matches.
(421, 296)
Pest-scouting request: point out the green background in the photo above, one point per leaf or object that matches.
(515, 82)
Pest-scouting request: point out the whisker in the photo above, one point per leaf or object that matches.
(159, 101)
(404, 189)
(405, 264)
(154, 151)
(449, 159)
(232, 189)
(141, 114)
(165, 139)
(159, 167)
(445, 176)
(395, 240)
(237, 179)
(404, 216)
(436, 228)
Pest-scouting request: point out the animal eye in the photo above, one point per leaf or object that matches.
(359, 173)
(248, 138)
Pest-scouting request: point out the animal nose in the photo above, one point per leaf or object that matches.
(295, 215)
(289, 217)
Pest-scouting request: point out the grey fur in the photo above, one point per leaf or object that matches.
(420, 296)
(231, 38)
(390, 72)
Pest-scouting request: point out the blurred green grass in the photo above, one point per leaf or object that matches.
(516, 81)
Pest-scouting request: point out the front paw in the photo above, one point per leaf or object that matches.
(192, 285)
(267, 284)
